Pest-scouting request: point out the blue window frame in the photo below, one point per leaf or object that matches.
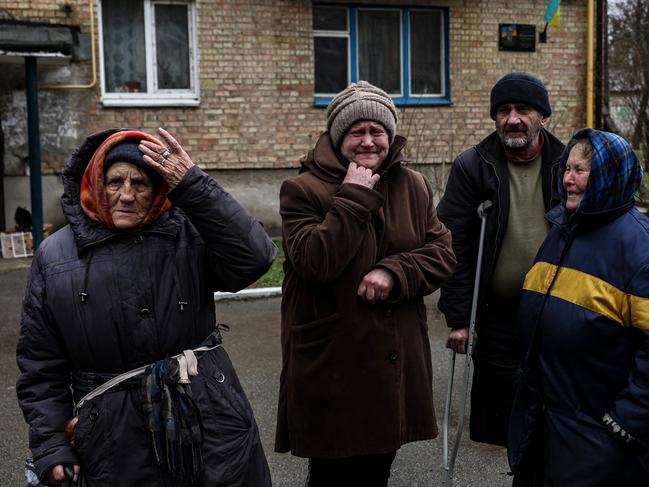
(404, 50)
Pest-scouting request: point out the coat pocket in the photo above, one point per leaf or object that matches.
(93, 440)
(230, 431)
(316, 332)
(226, 402)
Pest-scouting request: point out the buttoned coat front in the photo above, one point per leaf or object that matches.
(357, 377)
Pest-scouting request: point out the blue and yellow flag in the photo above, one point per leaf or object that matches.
(553, 13)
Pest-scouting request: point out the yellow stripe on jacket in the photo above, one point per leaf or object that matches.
(589, 292)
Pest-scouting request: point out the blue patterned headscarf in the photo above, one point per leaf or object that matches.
(615, 174)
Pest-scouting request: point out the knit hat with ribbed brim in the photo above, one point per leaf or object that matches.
(127, 151)
(520, 87)
(360, 101)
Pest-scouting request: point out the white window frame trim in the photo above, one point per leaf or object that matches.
(160, 98)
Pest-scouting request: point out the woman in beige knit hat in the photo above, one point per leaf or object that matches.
(363, 247)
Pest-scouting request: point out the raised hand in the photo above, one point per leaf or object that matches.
(360, 175)
(170, 161)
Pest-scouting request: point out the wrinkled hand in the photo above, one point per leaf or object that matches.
(360, 175)
(376, 286)
(69, 431)
(457, 339)
(56, 475)
(174, 166)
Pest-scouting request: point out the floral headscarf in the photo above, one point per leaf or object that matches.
(94, 200)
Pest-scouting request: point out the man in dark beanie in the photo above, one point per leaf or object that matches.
(512, 167)
(363, 247)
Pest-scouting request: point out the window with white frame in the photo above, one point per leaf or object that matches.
(403, 50)
(148, 53)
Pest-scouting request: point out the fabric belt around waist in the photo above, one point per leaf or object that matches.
(85, 382)
(93, 384)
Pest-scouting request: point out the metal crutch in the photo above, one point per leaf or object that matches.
(449, 464)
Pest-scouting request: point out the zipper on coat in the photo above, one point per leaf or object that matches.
(495, 253)
(83, 293)
(182, 301)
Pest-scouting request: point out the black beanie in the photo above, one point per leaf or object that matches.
(520, 87)
(127, 151)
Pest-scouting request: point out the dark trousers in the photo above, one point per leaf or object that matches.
(361, 471)
(496, 359)
(492, 395)
(529, 476)
(530, 472)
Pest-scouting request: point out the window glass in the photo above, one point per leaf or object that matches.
(124, 46)
(425, 52)
(400, 49)
(379, 48)
(329, 18)
(172, 46)
(331, 64)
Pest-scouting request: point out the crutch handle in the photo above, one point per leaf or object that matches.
(484, 208)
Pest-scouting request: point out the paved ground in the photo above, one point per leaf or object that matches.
(253, 344)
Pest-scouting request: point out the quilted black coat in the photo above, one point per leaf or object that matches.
(104, 301)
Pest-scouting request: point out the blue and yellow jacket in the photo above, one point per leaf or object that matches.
(585, 307)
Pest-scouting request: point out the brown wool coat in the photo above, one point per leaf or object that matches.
(357, 378)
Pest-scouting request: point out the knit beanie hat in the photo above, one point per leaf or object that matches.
(127, 151)
(360, 101)
(520, 87)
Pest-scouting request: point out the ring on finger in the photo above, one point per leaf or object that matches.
(166, 154)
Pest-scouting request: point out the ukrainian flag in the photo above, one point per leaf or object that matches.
(553, 13)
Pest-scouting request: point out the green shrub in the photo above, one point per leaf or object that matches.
(275, 274)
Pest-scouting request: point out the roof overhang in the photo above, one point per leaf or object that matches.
(19, 39)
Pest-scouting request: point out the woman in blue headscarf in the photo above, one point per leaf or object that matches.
(581, 413)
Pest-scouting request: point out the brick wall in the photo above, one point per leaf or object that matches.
(256, 72)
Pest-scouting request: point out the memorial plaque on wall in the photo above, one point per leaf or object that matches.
(517, 37)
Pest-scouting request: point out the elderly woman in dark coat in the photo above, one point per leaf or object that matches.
(581, 413)
(126, 286)
(363, 247)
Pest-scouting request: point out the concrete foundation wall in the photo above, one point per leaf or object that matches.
(256, 189)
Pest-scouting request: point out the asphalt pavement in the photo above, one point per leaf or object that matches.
(253, 343)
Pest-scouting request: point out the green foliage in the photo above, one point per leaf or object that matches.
(275, 274)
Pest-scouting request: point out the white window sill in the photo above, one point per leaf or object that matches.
(149, 102)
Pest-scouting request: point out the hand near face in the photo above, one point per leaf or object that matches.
(170, 160)
(376, 286)
(360, 175)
